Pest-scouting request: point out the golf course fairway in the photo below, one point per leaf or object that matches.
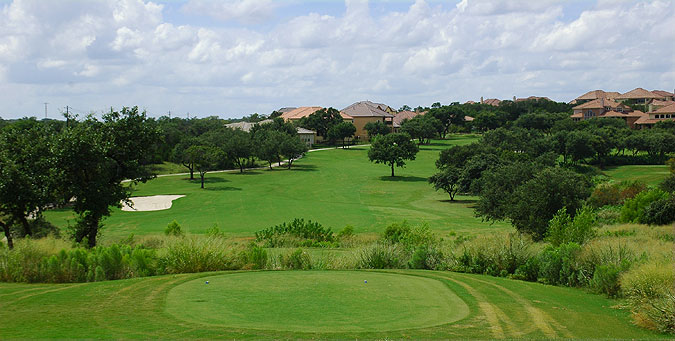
(316, 301)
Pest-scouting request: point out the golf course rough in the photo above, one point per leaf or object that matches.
(316, 301)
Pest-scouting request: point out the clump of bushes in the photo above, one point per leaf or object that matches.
(611, 194)
(633, 210)
(297, 233)
(564, 229)
(651, 293)
(173, 229)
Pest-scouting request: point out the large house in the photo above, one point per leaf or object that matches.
(366, 111)
(401, 116)
(606, 108)
(666, 113)
(599, 104)
(296, 114)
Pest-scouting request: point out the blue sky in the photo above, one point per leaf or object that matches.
(235, 57)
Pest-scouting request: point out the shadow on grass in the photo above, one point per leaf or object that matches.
(221, 188)
(460, 201)
(403, 179)
(303, 168)
(208, 180)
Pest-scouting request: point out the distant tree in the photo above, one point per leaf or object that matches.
(421, 127)
(94, 158)
(393, 150)
(447, 115)
(405, 108)
(206, 158)
(342, 131)
(486, 120)
(268, 146)
(376, 128)
(436, 105)
(447, 180)
(179, 155)
(239, 148)
(321, 121)
(275, 114)
(579, 145)
(291, 148)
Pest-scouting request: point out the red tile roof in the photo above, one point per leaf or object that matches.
(639, 93)
(301, 112)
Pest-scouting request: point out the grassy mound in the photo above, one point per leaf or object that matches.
(148, 307)
(316, 301)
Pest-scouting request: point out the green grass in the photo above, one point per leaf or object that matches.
(650, 174)
(317, 301)
(334, 187)
(310, 304)
(168, 168)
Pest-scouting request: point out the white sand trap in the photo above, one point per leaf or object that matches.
(151, 203)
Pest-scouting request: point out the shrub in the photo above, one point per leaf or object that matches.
(497, 256)
(214, 231)
(193, 254)
(650, 291)
(381, 256)
(528, 271)
(558, 265)
(606, 280)
(668, 185)
(633, 209)
(296, 260)
(605, 194)
(563, 229)
(410, 237)
(173, 229)
(608, 215)
(297, 233)
(255, 257)
(346, 232)
(660, 212)
(427, 257)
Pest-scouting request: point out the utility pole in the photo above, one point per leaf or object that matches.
(169, 114)
(46, 109)
(67, 117)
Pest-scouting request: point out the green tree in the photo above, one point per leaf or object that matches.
(447, 180)
(206, 158)
(239, 148)
(27, 174)
(321, 121)
(95, 157)
(292, 147)
(341, 131)
(179, 155)
(376, 128)
(447, 115)
(393, 150)
(268, 146)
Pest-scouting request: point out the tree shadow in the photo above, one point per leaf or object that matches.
(403, 179)
(221, 188)
(208, 180)
(460, 201)
(303, 168)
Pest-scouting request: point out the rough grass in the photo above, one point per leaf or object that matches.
(145, 308)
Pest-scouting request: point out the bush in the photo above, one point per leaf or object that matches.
(346, 232)
(381, 256)
(606, 280)
(296, 260)
(633, 209)
(563, 229)
(496, 256)
(297, 233)
(408, 236)
(615, 193)
(558, 265)
(427, 257)
(608, 215)
(650, 291)
(668, 185)
(255, 257)
(173, 229)
(193, 254)
(660, 212)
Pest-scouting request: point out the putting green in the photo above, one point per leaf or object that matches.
(316, 301)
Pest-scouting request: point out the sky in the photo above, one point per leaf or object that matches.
(236, 57)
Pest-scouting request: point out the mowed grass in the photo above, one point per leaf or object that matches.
(311, 304)
(333, 187)
(650, 174)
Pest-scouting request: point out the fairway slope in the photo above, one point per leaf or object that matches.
(311, 304)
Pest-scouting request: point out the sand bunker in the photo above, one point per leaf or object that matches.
(151, 203)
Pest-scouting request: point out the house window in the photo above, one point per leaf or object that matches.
(589, 113)
(619, 109)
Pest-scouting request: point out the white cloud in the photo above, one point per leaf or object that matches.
(122, 51)
(245, 11)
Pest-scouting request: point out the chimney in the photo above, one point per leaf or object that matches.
(481, 99)
(514, 98)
